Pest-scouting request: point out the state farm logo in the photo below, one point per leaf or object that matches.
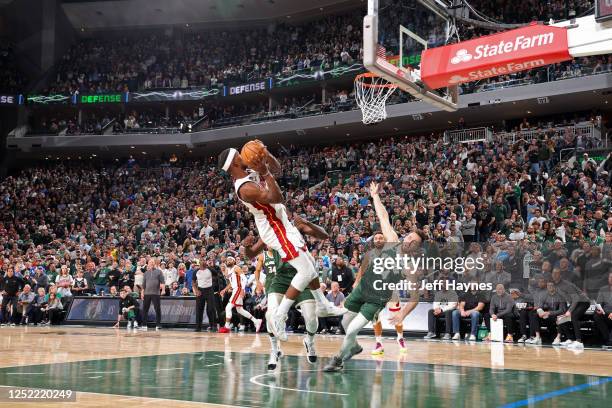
(519, 43)
(462, 56)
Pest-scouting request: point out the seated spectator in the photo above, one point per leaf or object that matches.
(445, 302)
(502, 307)
(603, 313)
(25, 301)
(54, 309)
(332, 324)
(471, 305)
(37, 307)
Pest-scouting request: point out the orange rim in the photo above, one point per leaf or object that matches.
(360, 78)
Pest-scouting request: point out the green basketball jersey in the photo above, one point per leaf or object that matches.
(371, 283)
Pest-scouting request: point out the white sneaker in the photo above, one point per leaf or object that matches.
(241, 327)
(328, 309)
(278, 325)
(472, 337)
(430, 335)
(457, 336)
(524, 339)
(128, 326)
(537, 341)
(566, 343)
(576, 345)
(273, 361)
(311, 353)
(144, 328)
(257, 324)
(556, 341)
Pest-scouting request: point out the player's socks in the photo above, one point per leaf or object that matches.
(379, 339)
(402, 344)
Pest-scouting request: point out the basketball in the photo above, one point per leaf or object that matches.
(251, 150)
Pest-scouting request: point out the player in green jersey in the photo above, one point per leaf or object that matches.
(369, 297)
(278, 279)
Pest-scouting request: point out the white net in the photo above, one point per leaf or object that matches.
(371, 93)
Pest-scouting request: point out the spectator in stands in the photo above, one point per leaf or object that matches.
(471, 304)
(603, 313)
(38, 306)
(54, 308)
(11, 286)
(502, 307)
(445, 302)
(25, 301)
(342, 275)
(331, 324)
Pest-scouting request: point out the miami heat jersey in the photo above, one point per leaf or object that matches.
(272, 222)
(238, 281)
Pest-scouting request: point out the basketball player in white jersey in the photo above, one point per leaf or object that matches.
(259, 192)
(236, 283)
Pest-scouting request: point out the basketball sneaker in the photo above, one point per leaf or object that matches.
(575, 345)
(402, 345)
(278, 326)
(334, 366)
(356, 349)
(311, 353)
(328, 309)
(378, 350)
(224, 330)
(274, 358)
(456, 336)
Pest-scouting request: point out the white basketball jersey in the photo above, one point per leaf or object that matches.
(272, 222)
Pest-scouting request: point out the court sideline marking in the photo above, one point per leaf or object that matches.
(557, 393)
(255, 379)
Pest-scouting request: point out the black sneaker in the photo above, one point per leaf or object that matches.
(334, 366)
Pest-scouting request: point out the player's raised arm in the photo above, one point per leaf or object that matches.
(273, 164)
(381, 213)
(308, 228)
(255, 193)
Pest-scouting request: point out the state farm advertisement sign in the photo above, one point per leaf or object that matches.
(516, 50)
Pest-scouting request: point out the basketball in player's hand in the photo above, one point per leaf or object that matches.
(253, 152)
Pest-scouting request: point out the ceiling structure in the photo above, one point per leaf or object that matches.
(122, 14)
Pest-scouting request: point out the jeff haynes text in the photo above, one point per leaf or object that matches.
(435, 285)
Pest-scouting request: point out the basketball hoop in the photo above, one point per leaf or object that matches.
(371, 93)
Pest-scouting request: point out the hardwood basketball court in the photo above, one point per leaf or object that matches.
(181, 368)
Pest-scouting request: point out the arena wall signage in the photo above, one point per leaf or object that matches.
(258, 86)
(172, 95)
(48, 99)
(603, 10)
(511, 51)
(8, 100)
(97, 310)
(306, 76)
(94, 99)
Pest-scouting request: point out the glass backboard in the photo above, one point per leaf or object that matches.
(396, 32)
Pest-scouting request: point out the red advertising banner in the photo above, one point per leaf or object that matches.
(511, 51)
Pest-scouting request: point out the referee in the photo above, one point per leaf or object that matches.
(202, 284)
